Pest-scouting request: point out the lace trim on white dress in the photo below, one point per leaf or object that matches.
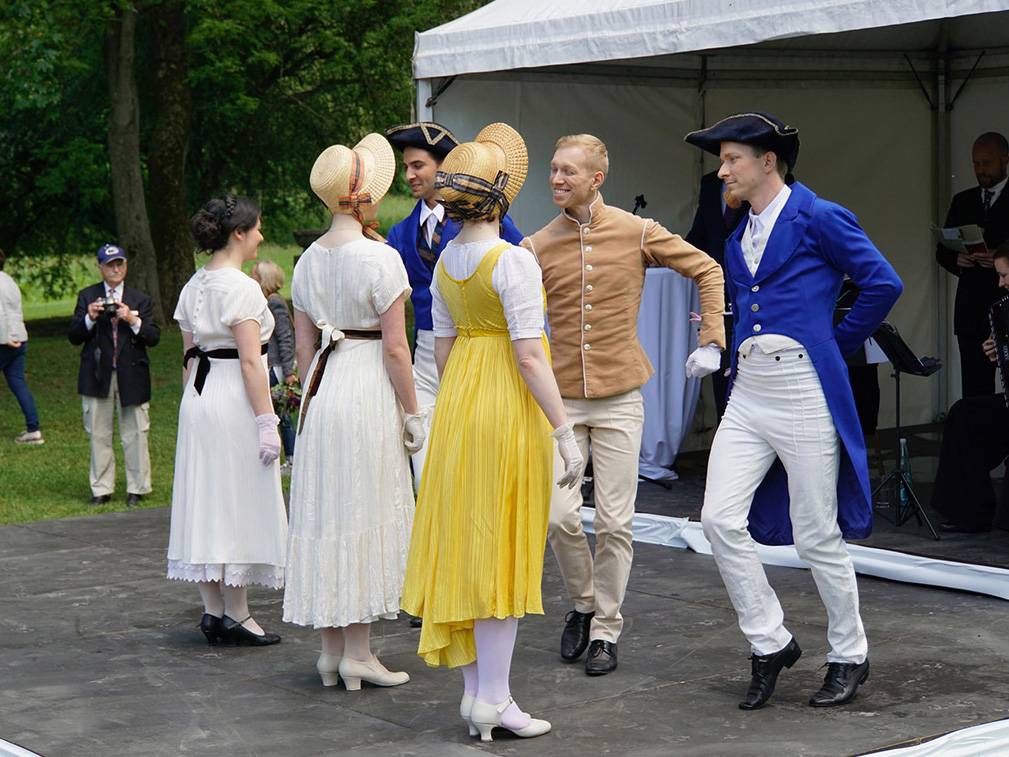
(232, 574)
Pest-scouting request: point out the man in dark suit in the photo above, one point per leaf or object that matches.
(115, 326)
(714, 220)
(986, 205)
(975, 440)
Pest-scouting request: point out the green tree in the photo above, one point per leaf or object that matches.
(230, 95)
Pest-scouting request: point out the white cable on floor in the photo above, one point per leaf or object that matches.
(684, 533)
(988, 740)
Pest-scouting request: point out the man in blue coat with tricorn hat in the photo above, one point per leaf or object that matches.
(420, 238)
(788, 462)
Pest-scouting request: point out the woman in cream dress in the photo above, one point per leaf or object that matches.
(351, 492)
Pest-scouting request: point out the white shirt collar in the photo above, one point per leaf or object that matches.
(997, 189)
(769, 215)
(438, 211)
(759, 227)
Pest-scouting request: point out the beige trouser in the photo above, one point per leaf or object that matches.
(611, 428)
(134, 422)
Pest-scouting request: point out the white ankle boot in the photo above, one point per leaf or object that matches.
(354, 671)
(487, 717)
(465, 712)
(329, 669)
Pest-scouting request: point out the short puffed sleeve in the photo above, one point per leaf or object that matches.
(245, 303)
(299, 282)
(389, 280)
(182, 308)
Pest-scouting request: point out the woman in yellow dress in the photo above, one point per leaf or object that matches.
(476, 553)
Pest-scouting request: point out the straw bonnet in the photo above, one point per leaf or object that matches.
(345, 178)
(480, 179)
(755, 128)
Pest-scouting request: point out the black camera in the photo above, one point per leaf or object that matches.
(109, 307)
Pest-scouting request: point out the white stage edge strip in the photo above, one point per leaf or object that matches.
(869, 561)
(988, 740)
(8, 749)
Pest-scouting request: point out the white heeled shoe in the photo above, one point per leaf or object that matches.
(465, 712)
(354, 671)
(329, 669)
(487, 717)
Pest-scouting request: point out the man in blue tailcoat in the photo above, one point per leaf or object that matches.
(420, 239)
(788, 462)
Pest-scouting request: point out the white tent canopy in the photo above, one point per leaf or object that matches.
(511, 34)
(887, 96)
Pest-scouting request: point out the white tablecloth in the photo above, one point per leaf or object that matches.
(668, 337)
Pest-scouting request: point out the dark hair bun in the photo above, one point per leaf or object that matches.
(214, 223)
(206, 229)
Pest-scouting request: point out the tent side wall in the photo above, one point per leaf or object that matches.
(867, 143)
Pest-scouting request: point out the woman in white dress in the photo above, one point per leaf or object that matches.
(229, 529)
(351, 493)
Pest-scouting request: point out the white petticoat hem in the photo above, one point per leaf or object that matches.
(231, 574)
(317, 622)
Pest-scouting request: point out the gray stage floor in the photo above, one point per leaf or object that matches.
(99, 655)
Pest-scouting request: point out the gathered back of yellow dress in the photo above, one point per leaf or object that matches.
(479, 532)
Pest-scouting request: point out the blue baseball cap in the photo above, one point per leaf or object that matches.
(109, 252)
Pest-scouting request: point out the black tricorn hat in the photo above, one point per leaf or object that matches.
(758, 129)
(427, 135)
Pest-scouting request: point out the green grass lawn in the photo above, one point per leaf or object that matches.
(51, 481)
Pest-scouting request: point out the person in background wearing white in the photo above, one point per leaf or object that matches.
(13, 346)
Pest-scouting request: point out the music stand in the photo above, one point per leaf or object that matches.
(903, 360)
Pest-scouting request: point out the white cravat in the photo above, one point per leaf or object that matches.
(429, 218)
(754, 242)
(759, 229)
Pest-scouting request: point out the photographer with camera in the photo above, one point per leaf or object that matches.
(115, 325)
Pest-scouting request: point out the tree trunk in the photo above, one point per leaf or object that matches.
(132, 224)
(166, 161)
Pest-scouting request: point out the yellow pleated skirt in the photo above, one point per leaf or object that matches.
(479, 532)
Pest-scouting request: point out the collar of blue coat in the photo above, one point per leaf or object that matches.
(785, 237)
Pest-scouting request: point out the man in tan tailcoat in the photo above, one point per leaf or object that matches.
(594, 258)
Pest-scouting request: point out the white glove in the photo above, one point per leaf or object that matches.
(567, 446)
(704, 360)
(269, 439)
(414, 431)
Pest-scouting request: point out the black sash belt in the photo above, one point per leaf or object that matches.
(320, 369)
(203, 368)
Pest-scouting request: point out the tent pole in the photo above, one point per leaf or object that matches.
(941, 194)
(702, 107)
(422, 110)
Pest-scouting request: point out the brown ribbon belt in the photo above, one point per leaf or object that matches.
(320, 369)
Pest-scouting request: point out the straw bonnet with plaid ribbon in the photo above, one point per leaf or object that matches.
(479, 180)
(345, 179)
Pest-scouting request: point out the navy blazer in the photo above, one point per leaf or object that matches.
(813, 244)
(403, 237)
(133, 369)
(709, 231)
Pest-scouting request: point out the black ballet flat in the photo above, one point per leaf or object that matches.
(233, 632)
(211, 627)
